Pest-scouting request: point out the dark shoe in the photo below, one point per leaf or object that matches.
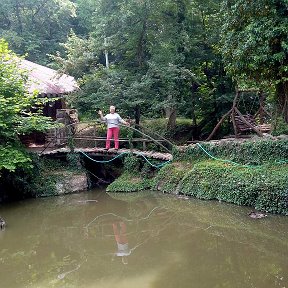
(105, 149)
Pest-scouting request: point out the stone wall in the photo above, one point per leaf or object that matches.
(71, 183)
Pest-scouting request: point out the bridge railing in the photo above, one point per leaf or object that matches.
(87, 134)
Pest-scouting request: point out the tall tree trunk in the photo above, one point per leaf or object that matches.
(19, 20)
(137, 114)
(194, 118)
(282, 96)
(171, 114)
(142, 42)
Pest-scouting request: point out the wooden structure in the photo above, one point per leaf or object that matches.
(242, 123)
(69, 119)
(87, 135)
(62, 139)
(48, 83)
(102, 152)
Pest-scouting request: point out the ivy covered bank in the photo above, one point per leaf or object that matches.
(248, 172)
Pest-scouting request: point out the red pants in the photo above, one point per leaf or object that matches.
(113, 131)
(120, 234)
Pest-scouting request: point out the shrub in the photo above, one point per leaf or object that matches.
(129, 183)
(247, 152)
(264, 187)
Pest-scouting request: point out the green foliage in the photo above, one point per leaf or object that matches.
(74, 161)
(265, 187)
(80, 56)
(35, 27)
(15, 115)
(280, 127)
(131, 164)
(42, 178)
(254, 38)
(36, 181)
(146, 171)
(169, 177)
(164, 59)
(12, 157)
(181, 133)
(100, 89)
(129, 183)
(247, 152)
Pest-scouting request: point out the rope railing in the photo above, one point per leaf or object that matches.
(125, 153)
(69, 133)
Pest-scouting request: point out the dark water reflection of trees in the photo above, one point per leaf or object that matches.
(144, 239)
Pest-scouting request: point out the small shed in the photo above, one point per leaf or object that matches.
(49, 83)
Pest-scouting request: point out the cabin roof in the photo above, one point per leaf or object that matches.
(46, 80)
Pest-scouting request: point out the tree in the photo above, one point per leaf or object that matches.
(36, 27)
(164, 58)
(15, 113)
(255, 44)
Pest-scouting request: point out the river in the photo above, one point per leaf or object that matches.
(146, 239)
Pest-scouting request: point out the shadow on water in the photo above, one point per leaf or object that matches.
(145, 239)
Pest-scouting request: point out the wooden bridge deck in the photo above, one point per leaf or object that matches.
(103, 152)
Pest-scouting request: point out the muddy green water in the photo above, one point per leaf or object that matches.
(96, 239)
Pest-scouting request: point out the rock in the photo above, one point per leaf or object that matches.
(257, 215)
(2, 224)
(71, 183)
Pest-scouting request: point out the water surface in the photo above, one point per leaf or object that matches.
(145, 239)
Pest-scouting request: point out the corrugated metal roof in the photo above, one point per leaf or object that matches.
(46, 80)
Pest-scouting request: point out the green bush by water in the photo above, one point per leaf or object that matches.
(129, 183)
(264, 187)
(248, 152)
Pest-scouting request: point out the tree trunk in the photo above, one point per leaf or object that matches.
(142, 42)
(18, 16)
(171, 114)
(137, 114)
(282, 96)
(193, 113)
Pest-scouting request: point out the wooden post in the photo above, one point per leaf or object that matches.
(144, 145)
(218, 125)
(94, 134)
(234, 123)
(261, 108)
(223, 117)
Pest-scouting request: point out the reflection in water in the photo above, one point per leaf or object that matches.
(120, 231)
(166, 242)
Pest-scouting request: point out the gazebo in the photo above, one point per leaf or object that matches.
(49, 83)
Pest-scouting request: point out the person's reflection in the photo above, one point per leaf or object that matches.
(120, 233)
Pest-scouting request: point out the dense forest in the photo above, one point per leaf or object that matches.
(153, 58)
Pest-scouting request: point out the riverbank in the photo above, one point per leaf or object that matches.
(247, 172)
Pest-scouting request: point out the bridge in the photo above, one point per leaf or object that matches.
(111, 152)
(84, 138)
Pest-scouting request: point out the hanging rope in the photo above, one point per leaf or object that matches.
(149, 137)
(278, 162)
(224, 160)
(123, 153)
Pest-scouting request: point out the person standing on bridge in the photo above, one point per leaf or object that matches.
(113, 121)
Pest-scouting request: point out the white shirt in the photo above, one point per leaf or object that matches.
(113, 120)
